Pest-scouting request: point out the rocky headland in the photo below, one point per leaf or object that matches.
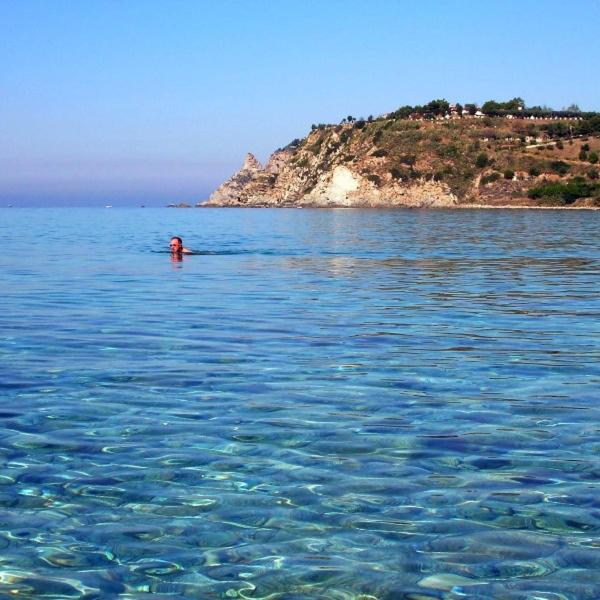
(449, 160)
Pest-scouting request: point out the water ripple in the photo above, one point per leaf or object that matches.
(337, 404)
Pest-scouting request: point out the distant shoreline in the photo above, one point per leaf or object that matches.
(396, 207)
(524, 207)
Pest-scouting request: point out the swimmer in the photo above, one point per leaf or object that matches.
(176, 245)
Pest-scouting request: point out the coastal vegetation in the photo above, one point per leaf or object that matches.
(565, 193)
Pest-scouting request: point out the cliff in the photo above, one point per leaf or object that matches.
(390, 162)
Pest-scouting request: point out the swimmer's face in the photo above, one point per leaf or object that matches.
(175, 245)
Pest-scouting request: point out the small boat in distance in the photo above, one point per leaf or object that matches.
(108, 206)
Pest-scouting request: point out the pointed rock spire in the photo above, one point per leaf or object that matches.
(250, 163)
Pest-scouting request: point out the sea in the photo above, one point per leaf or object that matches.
(340, 404)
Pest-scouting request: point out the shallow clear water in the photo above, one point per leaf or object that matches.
(323, 404)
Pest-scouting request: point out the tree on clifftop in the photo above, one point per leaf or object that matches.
(514, 104)
(492, 107)
(403, 112)
(437, 107)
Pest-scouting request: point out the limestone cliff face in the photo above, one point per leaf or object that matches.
(343, 187)
(299, 176)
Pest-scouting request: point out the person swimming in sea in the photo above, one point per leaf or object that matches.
(177, 248)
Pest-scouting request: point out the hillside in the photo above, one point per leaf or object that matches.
(439, 161)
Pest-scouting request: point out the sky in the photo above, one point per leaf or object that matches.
(154, 102)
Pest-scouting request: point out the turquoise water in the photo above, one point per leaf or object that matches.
(323, 404)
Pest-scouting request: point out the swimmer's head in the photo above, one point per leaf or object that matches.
(176, 244)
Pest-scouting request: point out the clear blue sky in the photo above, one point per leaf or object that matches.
(155, 101)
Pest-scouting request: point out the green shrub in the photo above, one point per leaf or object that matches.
(534, 171)
(560, 167)
(593, 157)
(593, 173)
(316, 147)
(490, 178)
(566, 192)
(345, 136)
(482, 161)
(585, 147)
(583, 154)
(448, 151)
(559, 145)
(509, 174)
(374, 179)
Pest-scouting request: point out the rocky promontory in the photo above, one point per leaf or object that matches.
(283, 183)
(416, 161)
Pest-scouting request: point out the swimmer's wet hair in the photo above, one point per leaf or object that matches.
(176, 237)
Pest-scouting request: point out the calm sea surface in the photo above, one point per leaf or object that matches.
(321, 404)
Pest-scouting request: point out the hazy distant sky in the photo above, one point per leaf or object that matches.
(158, 101)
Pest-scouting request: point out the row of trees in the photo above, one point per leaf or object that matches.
(441, 106)
(432, 109)
(493, 108)
(516, 106)
(588, 125)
